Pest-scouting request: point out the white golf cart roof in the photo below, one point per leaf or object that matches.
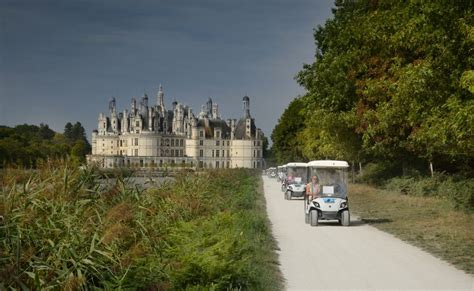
(328, 164)
(296, 165)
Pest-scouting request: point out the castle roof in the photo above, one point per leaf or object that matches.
(241, 127)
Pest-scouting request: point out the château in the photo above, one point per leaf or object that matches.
(154, 136)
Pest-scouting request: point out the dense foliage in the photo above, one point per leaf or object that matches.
(391, 81)
(24, 145)
(62, 228)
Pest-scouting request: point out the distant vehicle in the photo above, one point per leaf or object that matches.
(332, 202)
(272, 172)
(296, 178)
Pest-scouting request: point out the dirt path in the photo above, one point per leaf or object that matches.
(330, 256)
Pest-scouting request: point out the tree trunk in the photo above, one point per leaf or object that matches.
(431, 169)
(360, 168)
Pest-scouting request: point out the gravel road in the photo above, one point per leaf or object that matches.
(358, 257)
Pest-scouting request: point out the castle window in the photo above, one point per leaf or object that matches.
(223, 153)
(201, 153)
(218, 134)
(136, 141)
(172, 153)
(212, 153)
(217, 164)
(228, 143)
(258, 143)
(201, 133)
(172, 142)
(136, 152)
(217, 153)
(254, 155)
(228, 164)
(181, 143)
(201, 142)
(217, 143)
(201, 164)
(137, 123)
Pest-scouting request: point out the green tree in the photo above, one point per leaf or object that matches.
(286, 144)
(391, 80)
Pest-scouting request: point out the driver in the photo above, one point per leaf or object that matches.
(291, 178)
(312, 188)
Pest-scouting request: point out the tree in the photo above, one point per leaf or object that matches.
(286, 144)
(393, 77)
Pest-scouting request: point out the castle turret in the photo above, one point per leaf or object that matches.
(209, 107)
(112, 105)
(215, 111)
(133, 107)
(160, 99)
(246, 101)
(150, 118)
(125, 125)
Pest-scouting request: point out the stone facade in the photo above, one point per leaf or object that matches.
(154, 136)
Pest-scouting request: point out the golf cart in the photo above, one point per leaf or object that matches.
(331, 203)
(296, 178)
(272, 172)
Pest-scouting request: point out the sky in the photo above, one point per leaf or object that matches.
(62, 60)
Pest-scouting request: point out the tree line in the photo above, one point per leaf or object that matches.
(392, 82)
(25, 145)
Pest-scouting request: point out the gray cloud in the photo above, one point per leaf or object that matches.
(62, 60)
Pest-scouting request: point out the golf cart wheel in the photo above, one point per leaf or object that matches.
(288, 195)
(345, 218)
(313, 218)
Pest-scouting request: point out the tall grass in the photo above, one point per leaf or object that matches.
(62, 229)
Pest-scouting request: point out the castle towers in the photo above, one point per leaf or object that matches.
(246, 101)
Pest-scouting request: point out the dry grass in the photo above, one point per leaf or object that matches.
(427, 222)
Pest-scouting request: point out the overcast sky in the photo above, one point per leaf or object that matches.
(62, 60)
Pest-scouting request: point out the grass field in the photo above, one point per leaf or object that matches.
(430, 223)
(59, 229)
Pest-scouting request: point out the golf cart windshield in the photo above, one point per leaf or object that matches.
(297, 175)
(332, 181)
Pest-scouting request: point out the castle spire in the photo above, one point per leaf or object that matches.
(160, 97)
(246, 101)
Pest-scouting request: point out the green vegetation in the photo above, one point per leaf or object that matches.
(430, 223)
(62, 229)
(25, 145)
(391, 81)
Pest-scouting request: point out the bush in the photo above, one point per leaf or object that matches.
(378, 173)
(459, 193)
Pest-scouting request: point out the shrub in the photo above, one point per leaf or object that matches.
(459, 193)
